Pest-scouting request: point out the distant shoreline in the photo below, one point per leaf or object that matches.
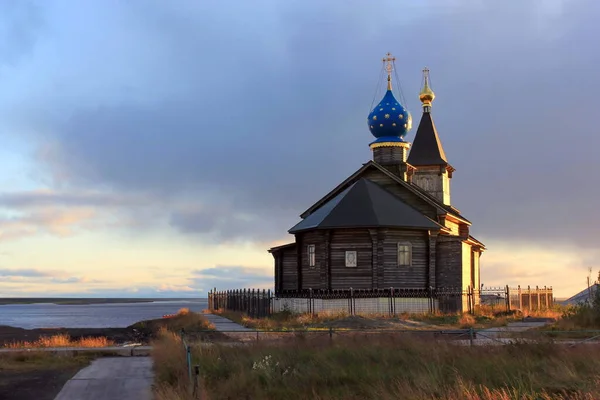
(84, 301)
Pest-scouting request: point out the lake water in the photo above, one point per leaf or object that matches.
(117, 315)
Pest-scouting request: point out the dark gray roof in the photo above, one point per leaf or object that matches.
(582, 297)
(427, 148)
(365, 204)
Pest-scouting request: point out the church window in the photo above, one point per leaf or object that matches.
(404, 254)
(311, 255)
(351, 261)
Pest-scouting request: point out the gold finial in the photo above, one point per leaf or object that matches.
(426, 96)
(388, 60)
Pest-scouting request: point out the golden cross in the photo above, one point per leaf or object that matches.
(426, 75)
(389, 59)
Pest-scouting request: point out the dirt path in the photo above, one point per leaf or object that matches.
(115, 378)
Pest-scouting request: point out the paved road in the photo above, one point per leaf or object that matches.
(223, 324)
(114, 378)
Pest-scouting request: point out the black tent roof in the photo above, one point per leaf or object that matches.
(365, 204)
(427, 148)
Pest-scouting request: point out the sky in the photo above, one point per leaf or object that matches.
(158, 149)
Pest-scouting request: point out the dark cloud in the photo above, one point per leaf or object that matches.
(255, 112)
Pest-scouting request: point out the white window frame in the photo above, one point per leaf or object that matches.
(404, 254)
(311, 251)
(351, 264)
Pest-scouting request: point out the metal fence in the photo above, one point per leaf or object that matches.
(254, 302)
(530, 299)
(390, 301)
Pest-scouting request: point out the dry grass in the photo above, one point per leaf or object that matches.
(484, 318)
(383, 367)
(285, 320)
(188, 321)
(61, 340)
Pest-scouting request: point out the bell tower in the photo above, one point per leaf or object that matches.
(433, 172)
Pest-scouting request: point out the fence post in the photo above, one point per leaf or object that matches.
(520, 298)
(537, 296)
(469, 296)
(269, 303)
(197, 389)
(351, 301)
(188, 351)
(529, 305)
(431, 300)
(508, 305)
(471, 336)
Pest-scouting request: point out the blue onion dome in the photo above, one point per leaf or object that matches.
(389, 121)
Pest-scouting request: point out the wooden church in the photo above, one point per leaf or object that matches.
(391, 224)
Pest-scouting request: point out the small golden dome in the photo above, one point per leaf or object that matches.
(426, 96)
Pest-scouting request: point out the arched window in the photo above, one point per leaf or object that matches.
(404, 254)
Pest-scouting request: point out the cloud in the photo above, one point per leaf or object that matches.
(57, 222)
(62, 213)
(26, 273)
(51, 198)
(254, 127)
(565, 267)
(176, 288)
(35, 277)
(233, 277)
(20, 23)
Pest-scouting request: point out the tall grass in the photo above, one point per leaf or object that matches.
(382, 367)
(186, 320)
(61, 340)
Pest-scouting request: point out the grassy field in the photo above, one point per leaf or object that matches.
(383, 367)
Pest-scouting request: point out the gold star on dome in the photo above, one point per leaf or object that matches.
(372, 126)
(381, 109)
(393, 124)
(374, 117)
(387, 116)
(400, 116)
(393, 108)
(381, 125)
